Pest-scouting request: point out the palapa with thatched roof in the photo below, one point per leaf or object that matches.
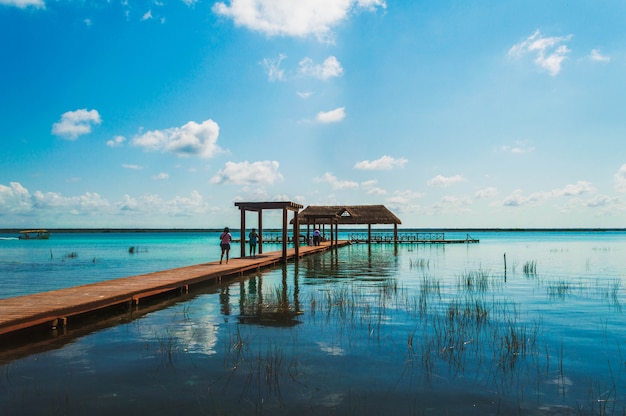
(349, 214)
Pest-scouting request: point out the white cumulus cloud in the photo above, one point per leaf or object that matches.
(331, 116)
(549, 52)
(293, 18)
(246, 173)
(192, 139)
(76, 123)
(384, 163)
(14, 198)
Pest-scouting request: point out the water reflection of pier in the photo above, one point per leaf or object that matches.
(261, 305)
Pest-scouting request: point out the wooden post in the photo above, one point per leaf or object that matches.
(285, 235)
(296, 234)
(260, 231)
(243, 232)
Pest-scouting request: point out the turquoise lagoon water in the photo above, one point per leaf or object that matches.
(528, 323)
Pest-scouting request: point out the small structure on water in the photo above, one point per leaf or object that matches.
(258, 207)
(349, 215)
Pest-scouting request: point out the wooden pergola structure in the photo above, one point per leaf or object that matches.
(258, 207)
(349, 214)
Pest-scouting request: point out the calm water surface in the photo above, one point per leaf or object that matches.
(527, 323)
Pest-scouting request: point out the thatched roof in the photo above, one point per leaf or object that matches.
(348, 214)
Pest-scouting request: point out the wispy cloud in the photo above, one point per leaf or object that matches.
(517, 198)
(132, 167)
(485, 193)
(452, 203)
(445, 181)
(246, 173)
(371, 188)
(595, 55)
(116, 141)
(601, 201)
(519, 147)
(549, 52)
(76, 123)
(161, 176)
(400, 198)
(293, 18)
(273, 69)
(575, 189)
(22, 4)
(336, 183)
(330, 68)
(332, 116)
(384, 163)
(620, 179)
(192, 139)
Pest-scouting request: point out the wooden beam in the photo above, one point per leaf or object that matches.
(243, 233)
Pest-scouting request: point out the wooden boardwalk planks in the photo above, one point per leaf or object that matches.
(55, 307)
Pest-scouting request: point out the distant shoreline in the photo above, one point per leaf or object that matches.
(202, 230)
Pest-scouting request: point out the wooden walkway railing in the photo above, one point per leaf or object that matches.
(427, 238)
(54, 309)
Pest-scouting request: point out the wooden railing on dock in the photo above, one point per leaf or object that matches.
(425, 238)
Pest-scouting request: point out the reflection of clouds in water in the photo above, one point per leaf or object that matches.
(563, 383)
(331, 349)
(198, 337)
(190, 328)
(198, 333)
(77, 356)
(330, 400)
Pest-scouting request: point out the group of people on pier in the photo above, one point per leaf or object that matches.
(253, 237)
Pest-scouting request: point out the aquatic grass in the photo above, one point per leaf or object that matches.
(475, 280)
(423, 332)
(419, 263)
(530, 268)
(560, 289)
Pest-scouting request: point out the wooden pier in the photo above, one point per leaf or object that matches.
(414, 238)
(54, 309)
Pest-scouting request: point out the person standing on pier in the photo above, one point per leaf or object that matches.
(254, 238)
(225, 239)
(316, 237)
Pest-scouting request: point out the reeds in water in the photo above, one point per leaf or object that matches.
(530, 268)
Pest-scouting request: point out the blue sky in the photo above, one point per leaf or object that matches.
(452, 114)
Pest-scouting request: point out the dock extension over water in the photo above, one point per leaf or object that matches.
(416, 238)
